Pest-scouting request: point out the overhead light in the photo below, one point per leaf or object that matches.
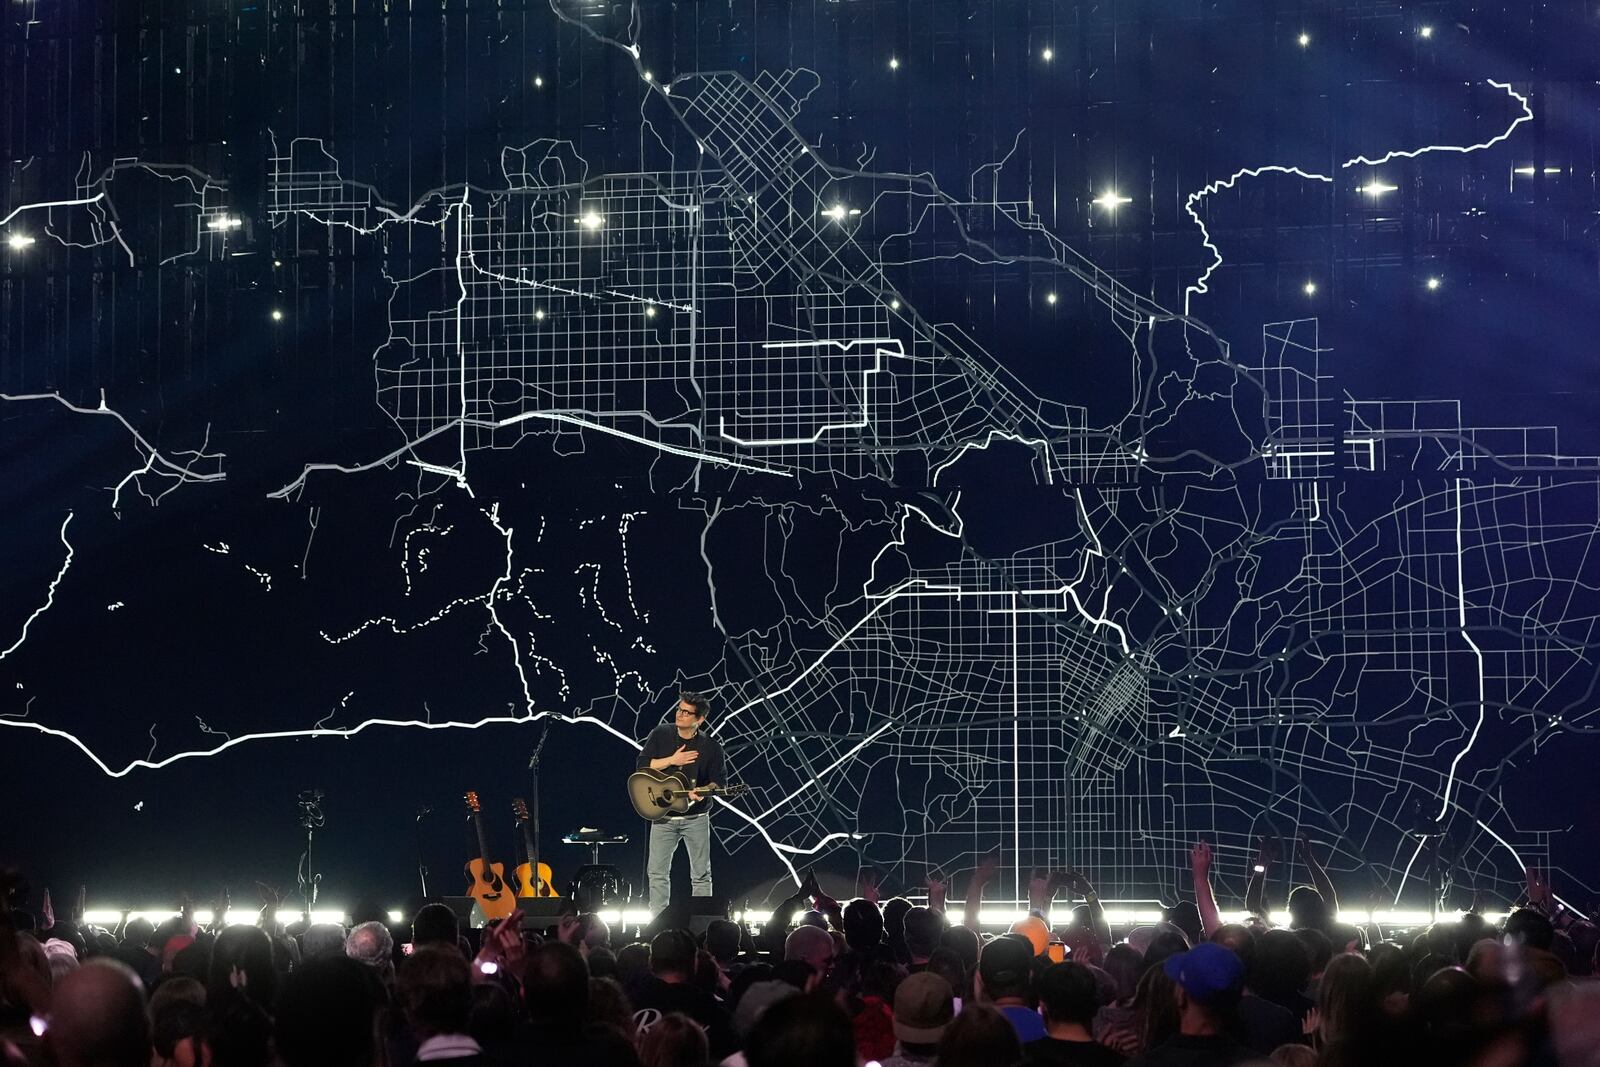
(894, 305)
(1376, 188)
(1309, 288)
(1426, 31)
(1048, 54)
(649, 77)
(224, 222)
(1433, 283)
(836, 212)
(1049, 298)
(277, 314)
(1111, 201)
(1304, 39)
(591, 221)
(19, 241)
(894, 64)
(649, 312)
(539, 314)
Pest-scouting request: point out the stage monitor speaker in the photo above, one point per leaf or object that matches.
(541, 912)
(694, 915)
(462, 906)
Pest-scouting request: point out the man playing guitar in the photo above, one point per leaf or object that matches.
(682, 746)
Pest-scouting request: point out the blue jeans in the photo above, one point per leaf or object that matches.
(695, 833)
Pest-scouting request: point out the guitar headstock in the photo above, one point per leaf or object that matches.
(520, 808)
(472, 801)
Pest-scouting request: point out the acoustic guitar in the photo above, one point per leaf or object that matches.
(658, 794)
(527, 884)
(486, 881)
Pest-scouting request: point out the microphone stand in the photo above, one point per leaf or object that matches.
(533, 810)
(422, 868)
(311, 819)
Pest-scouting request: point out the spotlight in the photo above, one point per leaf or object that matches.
(649, 312)
(1049, 298)
(1305, 40)
(1433, 284)
(836, 212)
(539, 314)
(1426, 31)
(224, 222)
(18, 241)
(1376, 188)
(538, 82)
(1048, 54)
(277, 314)
(1111, 201)
(590, 221)
(1309, 288)
(894, 64)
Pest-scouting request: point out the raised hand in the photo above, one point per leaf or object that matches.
(987, 865)
(1076, 882)
(1267, 852)
(502, 941)
(1200, 859)
(1041, 887)
(1539, 892)
(867, 884)
(47, 913)
(219, 906)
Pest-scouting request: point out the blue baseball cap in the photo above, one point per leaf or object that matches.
(1206, 972)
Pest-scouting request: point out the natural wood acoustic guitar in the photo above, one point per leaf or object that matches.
(486, 881)
(527, 884)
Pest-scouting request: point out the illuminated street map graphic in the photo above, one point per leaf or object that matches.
(1009, 475)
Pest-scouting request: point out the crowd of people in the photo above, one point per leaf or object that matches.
(821, 984)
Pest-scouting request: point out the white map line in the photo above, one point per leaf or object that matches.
(52, 203)
(1466, 635)
(1193, 200)
(153, 457)
(50, 594)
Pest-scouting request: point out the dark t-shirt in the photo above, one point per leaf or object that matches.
(1264, 1025)
(592, 1046)
(1183, 1050)
(657, 998)
(1054, 1052)
(664, 741)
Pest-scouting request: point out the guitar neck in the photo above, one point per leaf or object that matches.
(483, 842)
(529, 845)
